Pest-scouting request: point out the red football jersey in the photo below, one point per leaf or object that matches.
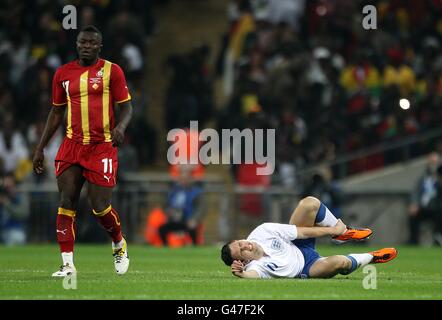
(89, 93)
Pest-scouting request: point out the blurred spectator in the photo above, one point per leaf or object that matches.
(87, 16)
(435, 206)
(291, 133)
(326, 189)
(286, 11)
(13, 148)
(14, 212)
(424, 198)
(127, 25)
(15, 52)
(246, 173)
(128, 159)
(183, 143)
(190, 92)
(361, 75)
(242, 24)
(185, 208)
(398, 74)
(141, 134)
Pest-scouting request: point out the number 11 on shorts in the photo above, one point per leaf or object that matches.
(107, 164)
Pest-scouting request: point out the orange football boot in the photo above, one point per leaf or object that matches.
(383, 255)
(355, 234)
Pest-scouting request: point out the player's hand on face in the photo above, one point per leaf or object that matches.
(117, 135)
(237, 267)
(37, 161)
(340, 228)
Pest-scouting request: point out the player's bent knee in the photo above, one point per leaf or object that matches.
(68, 203)
(99, 203)
(343, 264)
(311, 203)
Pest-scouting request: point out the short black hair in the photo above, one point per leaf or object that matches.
(226, 254)
(91, 28)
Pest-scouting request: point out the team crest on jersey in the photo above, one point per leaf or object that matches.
(100, 73)
(276, 244)
(96, 81)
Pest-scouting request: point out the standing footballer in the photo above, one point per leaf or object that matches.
(87, 88)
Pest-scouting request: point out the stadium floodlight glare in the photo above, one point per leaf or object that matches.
(404, 104)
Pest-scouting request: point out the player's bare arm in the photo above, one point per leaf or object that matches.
(117, 133)
(54, 120)
(316, 232)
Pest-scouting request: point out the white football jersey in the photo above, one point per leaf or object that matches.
(282, 258)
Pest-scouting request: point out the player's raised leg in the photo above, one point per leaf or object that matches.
(325, 218)
(328, 267)
(305, 213)
(70, 182)
(107, 216)
(311, 211)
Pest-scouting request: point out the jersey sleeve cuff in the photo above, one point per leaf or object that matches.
(124, 100)
(59, 104)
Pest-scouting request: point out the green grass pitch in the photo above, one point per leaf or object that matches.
(198, 274)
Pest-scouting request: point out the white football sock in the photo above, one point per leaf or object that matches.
(118, 245)
(68, 258)
(362, 258)
(329, 219)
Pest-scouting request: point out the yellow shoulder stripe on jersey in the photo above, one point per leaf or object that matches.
(84, 106)
(106, 105)
(69, 131)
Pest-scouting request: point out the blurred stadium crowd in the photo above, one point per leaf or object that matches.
(330, 87)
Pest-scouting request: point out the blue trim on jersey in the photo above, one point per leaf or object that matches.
(307, 247)
(321, 213)
(271, 266)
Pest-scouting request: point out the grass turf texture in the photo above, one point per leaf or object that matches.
(198, 273)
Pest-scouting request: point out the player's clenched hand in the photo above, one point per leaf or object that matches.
(117, 135)
(237, 268)
(339, 228)
(37, 161)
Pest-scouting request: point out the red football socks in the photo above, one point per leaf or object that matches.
(110, 221)
(66, 229)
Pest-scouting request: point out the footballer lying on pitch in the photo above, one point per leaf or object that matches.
(275, 250)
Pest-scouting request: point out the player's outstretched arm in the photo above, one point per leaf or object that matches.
(53, 121)
(117, 133)
(316, 232)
